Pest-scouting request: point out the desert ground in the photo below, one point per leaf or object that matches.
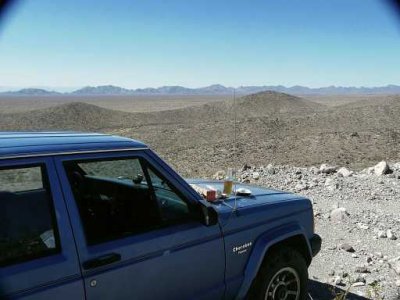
(275, 140)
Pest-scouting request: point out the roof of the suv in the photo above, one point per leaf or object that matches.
(25, 144)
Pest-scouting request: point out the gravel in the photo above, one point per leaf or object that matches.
(358, 216)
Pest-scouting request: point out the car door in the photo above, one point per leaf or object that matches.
(137, 235)
(38, 257)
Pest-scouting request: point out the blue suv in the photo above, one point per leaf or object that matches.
(95, 216)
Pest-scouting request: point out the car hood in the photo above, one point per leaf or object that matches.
(259, 195)
(264, 208)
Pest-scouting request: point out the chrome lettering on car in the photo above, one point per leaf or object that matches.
(242, 248)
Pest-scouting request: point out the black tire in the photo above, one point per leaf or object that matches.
(283, 272)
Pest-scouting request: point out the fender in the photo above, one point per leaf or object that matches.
(263, 243)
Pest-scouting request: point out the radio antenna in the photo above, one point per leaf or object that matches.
(235, 158)
(235, 154)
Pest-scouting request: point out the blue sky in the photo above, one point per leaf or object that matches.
(141, 43)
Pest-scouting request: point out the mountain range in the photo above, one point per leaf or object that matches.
(215, 89)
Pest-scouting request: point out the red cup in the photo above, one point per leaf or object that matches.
(211, 195)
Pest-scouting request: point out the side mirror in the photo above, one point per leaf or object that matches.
(209, 215)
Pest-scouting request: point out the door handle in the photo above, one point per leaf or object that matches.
(101, 261)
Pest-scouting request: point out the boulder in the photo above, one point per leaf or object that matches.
(382, 234)
(327, 169)
(331, 184)
(270, 169)
(390, 235)
(339, 214)
(346, 247)
(344, 172)
(381, 168)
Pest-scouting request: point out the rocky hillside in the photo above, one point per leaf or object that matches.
(357, 214)
(72, 116)
(270, 127)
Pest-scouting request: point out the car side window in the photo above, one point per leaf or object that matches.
(28, 227)
(122, 197)
(172, 206)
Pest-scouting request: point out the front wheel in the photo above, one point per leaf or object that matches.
(282, 276)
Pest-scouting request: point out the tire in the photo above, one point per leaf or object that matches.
(282, 276)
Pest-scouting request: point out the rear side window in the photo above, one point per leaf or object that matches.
(27, 220)
(23, 179)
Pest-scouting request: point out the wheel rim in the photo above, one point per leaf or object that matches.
(284, 285)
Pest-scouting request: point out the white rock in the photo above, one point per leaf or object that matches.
(270, 169)
(396, 267)
(327, 169)
(362, 226)
(344, 172)
(381, 168)
(390, 235)
(356, 284)
(220, 175)
(382, 234)
(256, 175)
(397, 283)
(331, 184)
(339, 214)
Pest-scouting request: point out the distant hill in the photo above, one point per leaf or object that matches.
(30, 92)
(215, 89)
(102, 90)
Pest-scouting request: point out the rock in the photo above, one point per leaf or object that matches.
(379, 254)
(300, 187)
(331, 184)
(358, 283)
(331, 273)
(246, 167)
(270, 169)
(327, 169)
(395, 266)
(362, 269)
(396, 166)
(397, 283)
(362, 226)
(346, 247)
(381, 168)
(390, 235)
(256, 175)
(360, 278)
(382, 234)
(339, 214)
(354, 134)
(220, 175)
(337, 280)
(344, 172)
